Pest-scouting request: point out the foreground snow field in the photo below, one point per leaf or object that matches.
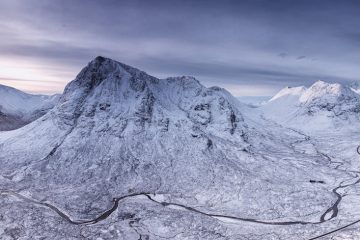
(124, 155)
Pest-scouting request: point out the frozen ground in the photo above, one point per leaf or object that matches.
(124, 155)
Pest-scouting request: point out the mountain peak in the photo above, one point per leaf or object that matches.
(288, 92)
(329, 92)
(100, 59)
(325, 104)
(128, 100)
(102, 69)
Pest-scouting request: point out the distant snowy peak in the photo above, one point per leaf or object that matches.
(337, 98)
(321, 94)
(18, 108)
(284, 105)
(289, 92)
(321, 105)
(17, 102)
(323, 91)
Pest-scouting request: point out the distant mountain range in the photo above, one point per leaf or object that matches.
(319, 107)
(18, 108)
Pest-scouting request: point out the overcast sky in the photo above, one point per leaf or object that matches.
(252, 47)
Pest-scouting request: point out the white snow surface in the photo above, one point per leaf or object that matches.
(118, 131)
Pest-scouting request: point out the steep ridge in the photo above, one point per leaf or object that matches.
(116, 131)
(18, 108)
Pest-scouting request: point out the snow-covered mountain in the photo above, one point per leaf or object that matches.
(18, 108)
(321, 106)
(124, 155)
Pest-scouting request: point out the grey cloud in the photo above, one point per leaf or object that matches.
(283, 55)
(22, 80)
(51, 50)
(353, 37)
(233, 74)
(65, 35)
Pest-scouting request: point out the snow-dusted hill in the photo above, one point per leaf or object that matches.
(124, 155)
(18, 108)
(320, 107)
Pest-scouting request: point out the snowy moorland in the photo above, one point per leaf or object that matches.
(124, 155)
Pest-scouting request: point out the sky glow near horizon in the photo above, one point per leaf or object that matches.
(252, 47)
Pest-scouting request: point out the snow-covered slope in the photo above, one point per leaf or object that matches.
(284, 104)
(321, 106)
(355, 86)
(18, 108)
(124, 155)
